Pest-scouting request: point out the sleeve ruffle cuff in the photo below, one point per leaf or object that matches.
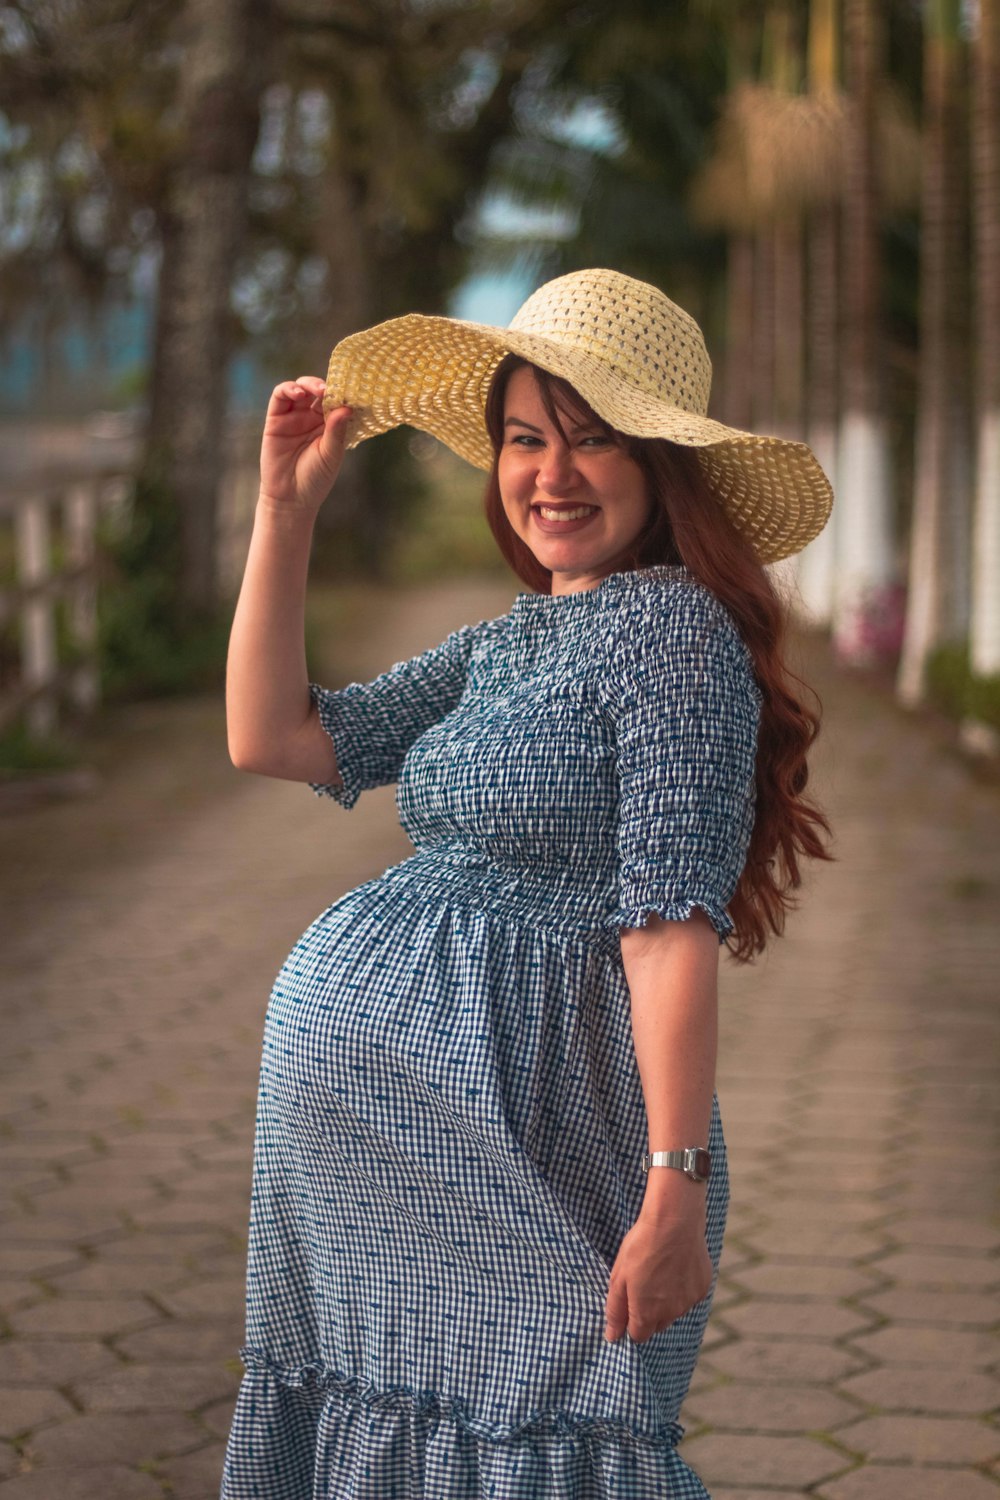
(337, 725)
(673, 911)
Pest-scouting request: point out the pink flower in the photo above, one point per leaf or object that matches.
(874, 633)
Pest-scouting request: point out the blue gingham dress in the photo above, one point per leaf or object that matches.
(451, 1118)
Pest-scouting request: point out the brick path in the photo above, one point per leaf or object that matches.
(849, 1356)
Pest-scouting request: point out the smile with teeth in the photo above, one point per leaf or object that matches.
(566, 515)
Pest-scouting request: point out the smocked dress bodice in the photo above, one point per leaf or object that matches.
(584, 759)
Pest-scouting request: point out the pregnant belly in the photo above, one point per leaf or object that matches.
(443, 1041)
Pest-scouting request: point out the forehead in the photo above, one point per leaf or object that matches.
(524, 398)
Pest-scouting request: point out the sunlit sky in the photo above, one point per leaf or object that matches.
(490, 299)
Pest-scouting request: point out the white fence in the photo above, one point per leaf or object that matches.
(53, 525)
(48, 536)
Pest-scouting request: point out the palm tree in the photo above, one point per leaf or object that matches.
(939, 527)
(815, 565)
(865, 542)
(203, 224)
(776, 168)
(984, 642)
(739, 330)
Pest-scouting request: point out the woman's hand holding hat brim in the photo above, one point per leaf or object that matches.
(301, 449)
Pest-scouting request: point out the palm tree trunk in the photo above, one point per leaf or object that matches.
(739, 331)
(218, 112)
(985, 622)
(789, 352)
(350, 518)
(788, 327)
(940, 514)
(816, 570)
(763, 331)
(817, 561)
(865, 564)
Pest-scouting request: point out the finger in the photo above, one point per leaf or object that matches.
(615, 1312)
(291, 392)
(335, 433)
(312, 383)
(640, 1333)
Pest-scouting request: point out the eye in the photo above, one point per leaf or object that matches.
(595, 439)
(525, 440)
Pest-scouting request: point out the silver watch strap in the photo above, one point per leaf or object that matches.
(695, 1161)
(665, 1159)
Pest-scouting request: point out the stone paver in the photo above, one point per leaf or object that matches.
(755, 1458)
(138, 1438)
(813, 1361)
(29, 1409)
(932, 1440)
(788, 1409)
(927, 1387)
(961, 1309)
(908, 1482)
(777, 1317)
(850, 1353)
(100, 1482)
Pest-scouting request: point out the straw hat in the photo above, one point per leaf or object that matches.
(635, 357)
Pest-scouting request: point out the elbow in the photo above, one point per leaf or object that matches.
(240, 761)
(246, 757)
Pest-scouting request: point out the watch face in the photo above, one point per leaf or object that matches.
(702, 1163)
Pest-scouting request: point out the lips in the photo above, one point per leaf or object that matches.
(562, 527)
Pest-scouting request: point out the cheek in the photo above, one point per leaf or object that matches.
(508, 500)
(640, 506)
(508, 479)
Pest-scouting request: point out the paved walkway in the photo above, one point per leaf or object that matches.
(850, 1353)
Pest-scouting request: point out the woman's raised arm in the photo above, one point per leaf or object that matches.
(272, 727)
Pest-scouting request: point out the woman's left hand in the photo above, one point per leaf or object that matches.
(661, 1270)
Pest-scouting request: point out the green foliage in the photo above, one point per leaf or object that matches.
(150, 646)
(20, 752)
(623, 185)
(449, 534)
(131, 386)
(948, 678)
(372, 509)
(984, 700)
(954, 689)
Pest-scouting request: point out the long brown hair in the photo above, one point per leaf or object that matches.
(688, 526)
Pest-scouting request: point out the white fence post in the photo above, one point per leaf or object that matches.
(80, 522)
(38, 636)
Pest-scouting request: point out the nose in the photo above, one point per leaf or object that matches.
(556, 471)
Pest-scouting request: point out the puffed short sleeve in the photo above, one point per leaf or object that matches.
(686, 710)
(373, 724)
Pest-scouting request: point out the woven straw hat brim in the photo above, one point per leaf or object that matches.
(434, 373)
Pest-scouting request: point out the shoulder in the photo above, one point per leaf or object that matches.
(666, 621)
(670, 603)
(471, 636)
(664, 587)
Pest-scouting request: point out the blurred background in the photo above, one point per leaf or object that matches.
(200, 199)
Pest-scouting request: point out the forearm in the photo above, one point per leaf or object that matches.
(267, 687)
(672, 974)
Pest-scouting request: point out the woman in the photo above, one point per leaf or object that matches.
(466, 1278)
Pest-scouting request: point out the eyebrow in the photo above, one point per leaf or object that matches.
(574, 427)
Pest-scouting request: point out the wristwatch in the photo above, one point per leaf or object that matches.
(695, 1162)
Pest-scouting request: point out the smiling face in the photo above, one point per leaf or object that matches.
(575, 497)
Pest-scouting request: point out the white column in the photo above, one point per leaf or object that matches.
(865, 562)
